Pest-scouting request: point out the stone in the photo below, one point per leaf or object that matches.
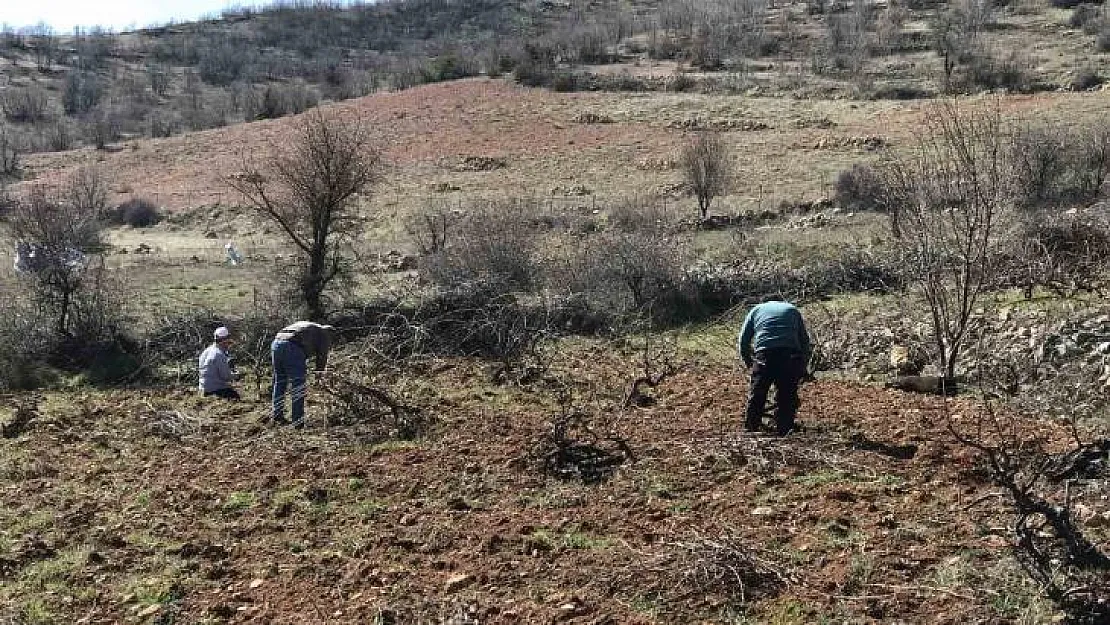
(255, 583)
(458, 582)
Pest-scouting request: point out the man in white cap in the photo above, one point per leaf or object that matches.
(291, 349)
(216, 377)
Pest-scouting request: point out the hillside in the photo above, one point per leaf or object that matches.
(98, 88)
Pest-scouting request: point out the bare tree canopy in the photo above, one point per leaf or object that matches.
(707, 167)
(948, 196)
(59, 235)
(309, 190)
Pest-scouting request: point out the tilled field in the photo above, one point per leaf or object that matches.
(157, 506)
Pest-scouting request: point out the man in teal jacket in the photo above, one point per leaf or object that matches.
(774, 344)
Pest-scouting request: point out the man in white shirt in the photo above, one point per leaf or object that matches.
(216, 377)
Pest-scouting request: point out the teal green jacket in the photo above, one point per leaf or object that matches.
(773, 325)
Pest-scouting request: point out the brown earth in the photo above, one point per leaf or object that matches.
(870, 514)
(427, 131)
(107, 518)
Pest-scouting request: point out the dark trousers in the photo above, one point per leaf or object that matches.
(784, 369)
(226, 393)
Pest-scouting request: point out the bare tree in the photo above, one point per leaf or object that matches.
(44, 45)
(309, 190)
(952, 188)
(1046, 491)
(87, 191)
(707, 166)
(56, 238)
(429, 229)
(10, 152)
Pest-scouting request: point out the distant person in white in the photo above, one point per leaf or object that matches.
(233, 256)
(216, 377)
(24, 257)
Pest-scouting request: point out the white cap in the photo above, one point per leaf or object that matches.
(221, 333)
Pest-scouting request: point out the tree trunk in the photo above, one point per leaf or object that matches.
(63, 315)
(312, 288)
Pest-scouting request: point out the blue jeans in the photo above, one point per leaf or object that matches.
(290, 369)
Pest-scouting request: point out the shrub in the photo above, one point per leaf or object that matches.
(1102, 41)
(642, 213)
(448, 67)
(860, 188)
(60, 135)
(681, 83)
(28, 340)
(177, 338)
(1086, 78)
(1059, 165)
(565, 81)
(1062, 255)
(24, 104)
(82, 93)
(279, 100)
(10, 150)
(494, 245)
(163, 123)
(97, 346)
(137, 213)
(429, 229)
(532, 73)
(1084, 15)
(225, 62)
(627, 272)
(1011, 72)
(104, 128)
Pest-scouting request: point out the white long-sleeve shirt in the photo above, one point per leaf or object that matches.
(215, 370)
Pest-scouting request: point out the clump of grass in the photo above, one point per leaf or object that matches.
(237, 503)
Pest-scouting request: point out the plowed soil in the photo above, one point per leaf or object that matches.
(158, 506)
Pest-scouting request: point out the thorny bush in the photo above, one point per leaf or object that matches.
(1046, 493)
(494, 245)
(1064, 255)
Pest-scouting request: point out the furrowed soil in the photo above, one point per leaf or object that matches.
(157, 506)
